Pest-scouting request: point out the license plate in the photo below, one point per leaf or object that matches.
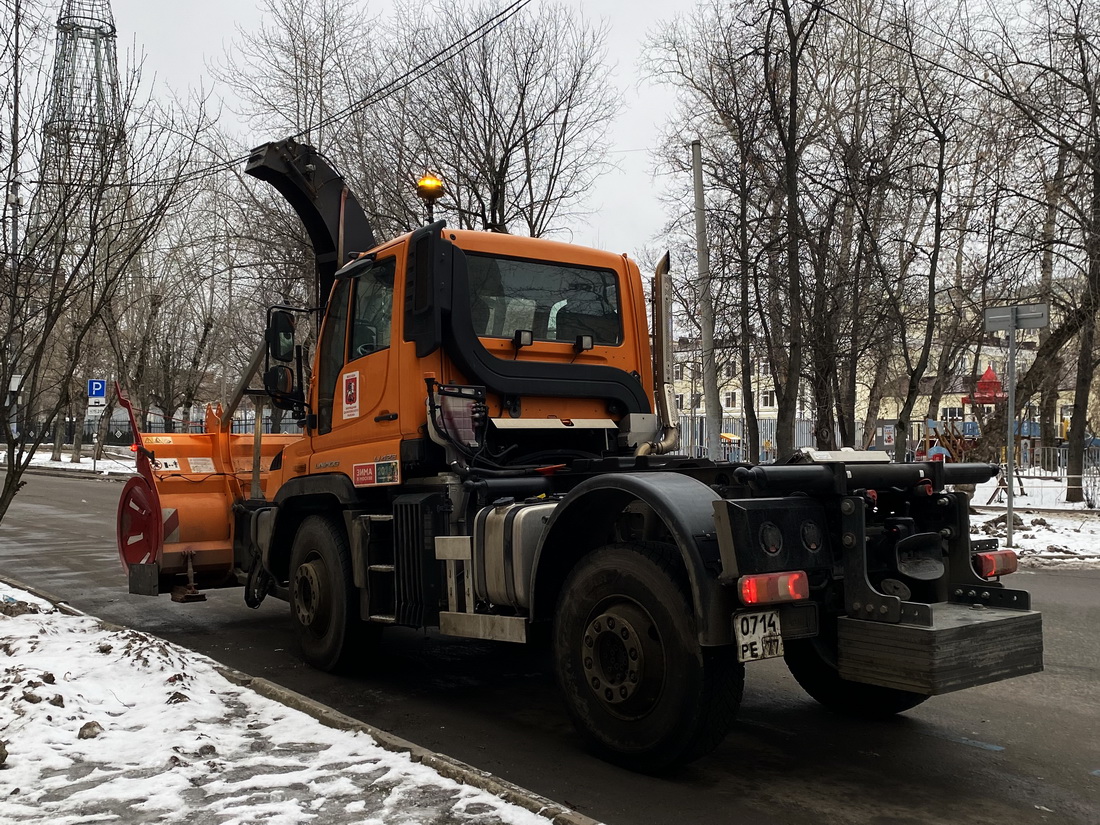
(757, 635)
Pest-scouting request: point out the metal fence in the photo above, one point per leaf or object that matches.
(119, 433)
(1055, 460)
(693, 437)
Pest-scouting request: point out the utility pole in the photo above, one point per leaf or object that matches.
(706, 309)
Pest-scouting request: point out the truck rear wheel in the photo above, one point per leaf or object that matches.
(323, 599)
(637, 684)
(812, 662)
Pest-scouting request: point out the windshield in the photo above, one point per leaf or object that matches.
(555, 302)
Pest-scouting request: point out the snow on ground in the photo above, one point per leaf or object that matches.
(1069, 539)
(1042, 491)
(114, 464)
(101, 725)
(1063, 535)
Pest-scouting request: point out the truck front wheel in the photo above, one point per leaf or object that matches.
(637, 684)
(812, 662)
(323, 600)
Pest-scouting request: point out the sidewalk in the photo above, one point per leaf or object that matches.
(103, 723)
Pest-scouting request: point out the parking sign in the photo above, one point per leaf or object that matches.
(97, 391)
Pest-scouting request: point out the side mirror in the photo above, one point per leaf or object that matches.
(280, 336)
(279, 380)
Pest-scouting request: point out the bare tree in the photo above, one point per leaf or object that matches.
(517, 122)
(83, 236)
(1048, 71)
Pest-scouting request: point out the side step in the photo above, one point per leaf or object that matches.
(460, 620)
(481, 626)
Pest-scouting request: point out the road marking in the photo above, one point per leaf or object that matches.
(974, 743)
(752, 723)
(962, 740)
(1095, 773)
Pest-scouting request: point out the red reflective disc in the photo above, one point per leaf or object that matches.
(140, 532)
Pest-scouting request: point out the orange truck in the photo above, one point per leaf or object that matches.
(487, 448)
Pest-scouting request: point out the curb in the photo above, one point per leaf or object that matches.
(441, 763)
(88, 474)
(332, 718)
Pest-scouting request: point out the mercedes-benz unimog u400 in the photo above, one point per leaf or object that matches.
(487, 449)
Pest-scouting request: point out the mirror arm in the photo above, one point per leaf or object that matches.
(300, 390)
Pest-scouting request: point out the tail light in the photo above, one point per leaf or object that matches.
(997, 563)
(767, 588)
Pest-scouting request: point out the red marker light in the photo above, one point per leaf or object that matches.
(997, 563)
(133, 448)
(774, 587)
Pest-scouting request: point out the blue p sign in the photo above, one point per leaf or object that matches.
(97, 387)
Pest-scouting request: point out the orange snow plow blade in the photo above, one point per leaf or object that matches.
(175, 518)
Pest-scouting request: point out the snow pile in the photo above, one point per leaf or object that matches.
(1069, 539)
(100, 725)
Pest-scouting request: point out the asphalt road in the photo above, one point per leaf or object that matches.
(1023, 751)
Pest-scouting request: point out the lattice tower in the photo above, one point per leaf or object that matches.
(83, 141)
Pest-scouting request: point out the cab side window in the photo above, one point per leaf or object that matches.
(372, 315)
(557, 302)
(331, 355)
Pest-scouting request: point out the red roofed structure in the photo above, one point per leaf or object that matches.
(989, 391)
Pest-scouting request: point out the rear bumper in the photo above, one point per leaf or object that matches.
(964, 646)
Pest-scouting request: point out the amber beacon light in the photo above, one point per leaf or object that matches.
(430, 189)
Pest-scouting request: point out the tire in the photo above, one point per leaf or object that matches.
(637, 684)
(324, 604)
(812, 662)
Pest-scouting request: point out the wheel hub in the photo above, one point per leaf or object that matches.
(613, 656)
(308, 593)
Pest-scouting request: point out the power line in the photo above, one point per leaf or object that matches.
(421, 70)
(425, 67)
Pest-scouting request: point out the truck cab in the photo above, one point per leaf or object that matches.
(548, 337)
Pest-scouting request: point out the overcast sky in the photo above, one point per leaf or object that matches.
(179, 38)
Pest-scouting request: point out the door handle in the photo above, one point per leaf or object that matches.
(386, 417)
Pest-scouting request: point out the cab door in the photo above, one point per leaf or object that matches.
(358, 431)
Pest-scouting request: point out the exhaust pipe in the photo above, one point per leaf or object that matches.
(662, 364)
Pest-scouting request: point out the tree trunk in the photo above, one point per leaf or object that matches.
(104, 425)
(1049, 429)
(1049, 422)
(824, 423)
(61, 422)
(276, 420)
(874, 404)
(748, 391)
(13, 483)
(78, 431)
